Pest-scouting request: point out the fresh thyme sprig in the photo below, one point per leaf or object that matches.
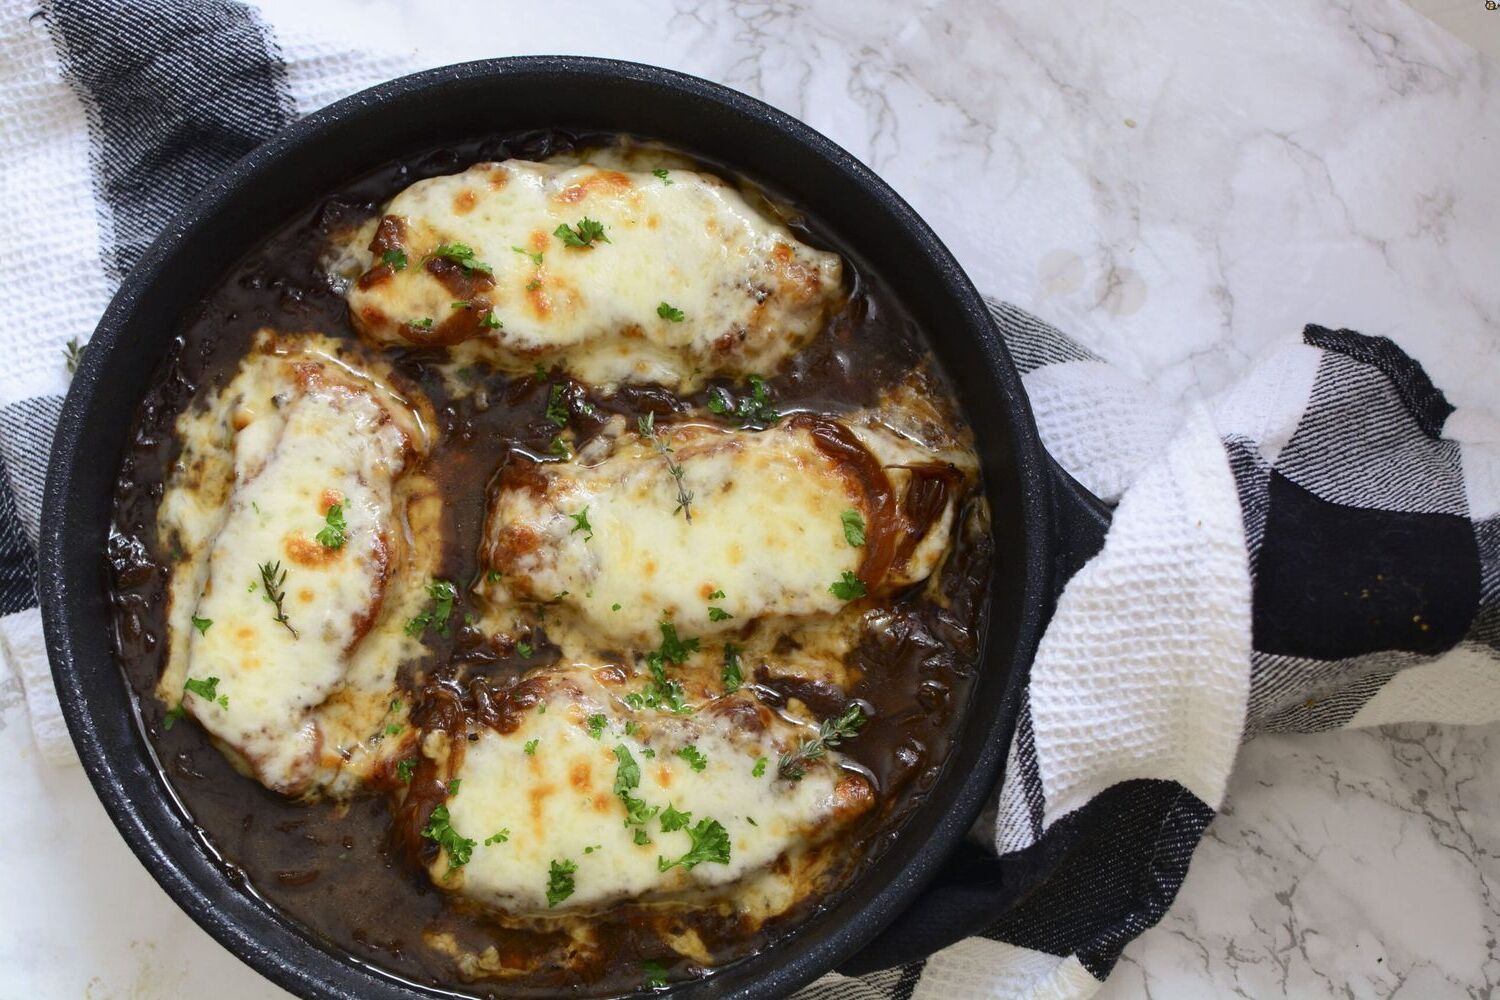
(647, 427)
(830, 734)
(273, 578)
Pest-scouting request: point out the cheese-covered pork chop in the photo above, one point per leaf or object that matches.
(583, 801)
(294, 506)
(669, 277)
(791, 522)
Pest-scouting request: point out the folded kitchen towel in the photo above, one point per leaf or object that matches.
(1303, 553)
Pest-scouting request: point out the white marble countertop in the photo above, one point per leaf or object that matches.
(1177, 184)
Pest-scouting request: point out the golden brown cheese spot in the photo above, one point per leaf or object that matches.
(611, 180)
(664, 776)
(580, 774)
(499, 177)
(328, 499)
(305, 596)
(603, 802)
(306, 551)
(464, 201)
(538, 796)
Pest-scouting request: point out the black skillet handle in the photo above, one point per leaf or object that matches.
(971, 890)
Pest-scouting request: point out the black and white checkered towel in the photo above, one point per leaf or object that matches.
(1303, 553)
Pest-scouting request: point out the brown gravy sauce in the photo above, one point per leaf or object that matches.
(345, 871)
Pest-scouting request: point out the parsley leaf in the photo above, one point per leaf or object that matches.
(425, 323)
(557, 411)
(672, 820)
(497, 838)
(524, 648)
(670, 312)
(207, 689)
(488, 320)
(854, 527)
(395, 257)
(440, 829)
(405, 768)
(588, 232)
(597, 723)
(695, 759)
(531, 747)
(463, 255)
(536, 258)
(334, 532)
(848, 588)
(729, 673)
(710, 843)
(759, 768)
(660, 173)
(581, 523)
(202, 624)
(443, 595)
(673, 649)
(641, 836)
(718, 615)
(560, 881)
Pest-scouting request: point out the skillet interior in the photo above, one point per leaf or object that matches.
(430, 109)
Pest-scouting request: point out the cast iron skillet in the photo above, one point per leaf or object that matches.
(925, 890)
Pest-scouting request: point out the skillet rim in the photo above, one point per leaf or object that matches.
(281, 949)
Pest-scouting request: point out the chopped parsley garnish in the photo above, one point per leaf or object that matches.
(405, 768)
(587, 234)
(395, 257)
(536, 258)
(581, 523)
(597, 723)
(497, 838)
(752, 410)
(524, 648)
(488, 320)
(854, 527)
(848, 588)
(655, 973)
(493, 576)
(202, 624)
(334, 531)
(717, 595)
(647, 427)
(627, 780)
(443, 595)
(759, 768)
(710, 843)
(453, 786)
(648, 752)
(560, 447)
(614, 607)
(207, 689)
(673, 819)
(425, 323)
(273, 577)
(660, 173)
(673, 649)
(461, 304)
(440, 829)
(533, 285)
(729, 673)
(670, 312)
(560, 881)
(695, 759)
(718, 615)
(831, 733)
(557, 410)
(393, 728)
(641, 836)
(463, 255)
(530, 747)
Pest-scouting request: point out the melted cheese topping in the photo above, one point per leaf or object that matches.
(296, 431)
(749, 293)
(766, 539)
(561, 803)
